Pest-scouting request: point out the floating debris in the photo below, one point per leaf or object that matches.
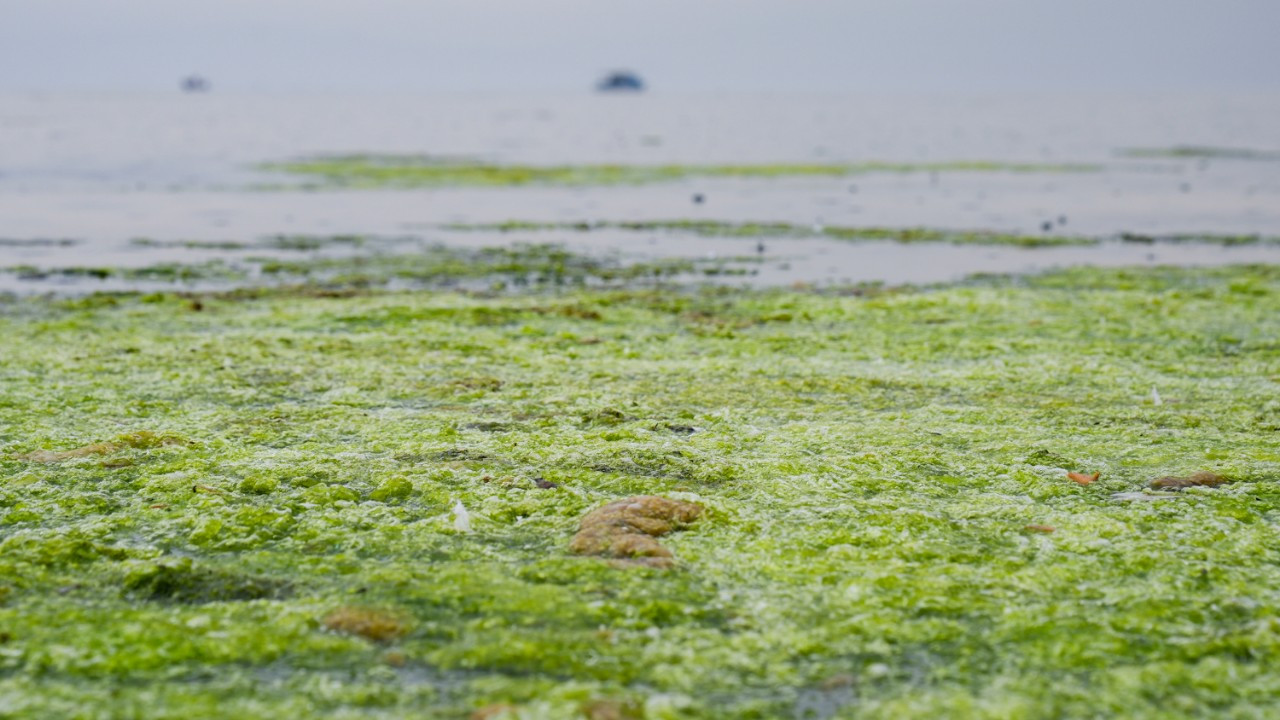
(627, 529)
(461, 518)
(620, 81)
(195, 84)
(1082, 478)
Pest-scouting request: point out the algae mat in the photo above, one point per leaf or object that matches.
(345, 507)
(413, 171)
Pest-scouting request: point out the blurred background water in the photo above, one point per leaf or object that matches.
(99, 147)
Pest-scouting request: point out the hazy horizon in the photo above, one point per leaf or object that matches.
(711, 46)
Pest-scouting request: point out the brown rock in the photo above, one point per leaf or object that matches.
(628, 528)
(1199, 479)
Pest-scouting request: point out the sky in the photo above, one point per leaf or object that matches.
(676, 45)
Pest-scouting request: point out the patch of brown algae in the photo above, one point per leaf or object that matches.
(1199, 479)
(628, 529)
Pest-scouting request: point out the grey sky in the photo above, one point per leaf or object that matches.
(678, 45)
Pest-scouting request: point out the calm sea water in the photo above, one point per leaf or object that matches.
(103, 169)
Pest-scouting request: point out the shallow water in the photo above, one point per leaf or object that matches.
(104, 169)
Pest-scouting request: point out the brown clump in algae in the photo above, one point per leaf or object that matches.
(375, 625)
(628, 529)
(141, 440)
(1198, 479)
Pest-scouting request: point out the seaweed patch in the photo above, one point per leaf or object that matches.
(182, 581)
(881, 499)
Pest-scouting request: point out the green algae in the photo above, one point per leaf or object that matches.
(180, 580)
(764, 230)
(1200, 152)
(37, 242)
(868, 465)
(275, 242)
(717, 228)
(1210, 238)
(190, 244)
(173, 272)
(409, 171)
(520, 265)
(312, 242)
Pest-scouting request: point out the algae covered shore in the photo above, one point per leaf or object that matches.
(361, 504)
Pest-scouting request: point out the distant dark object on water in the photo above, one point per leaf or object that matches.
(698, 198)
(620, 81)
(195, 84)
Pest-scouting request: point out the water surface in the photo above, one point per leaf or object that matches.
(106, 169)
